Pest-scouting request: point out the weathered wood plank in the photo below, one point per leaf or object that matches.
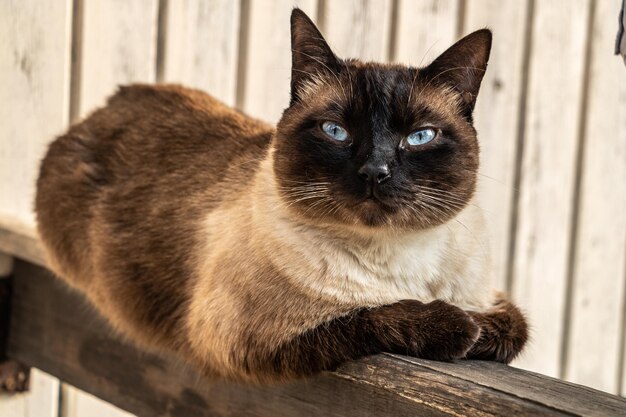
(358, 29)
(83, 351)
(551, 392)
(20, 239)
(425, 28)
(559, 34)
(6, 265)
(34, 92)
(118, 46)
(497, 117)
(201, 46)
(268, 60)
(600, 259)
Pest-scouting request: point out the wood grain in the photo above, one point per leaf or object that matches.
(83, 351)
(358, 29)
(201, 46)
(540, 267)
(425, 29)
(530, 386)
(497, 117)
(20, 239)
(268, 61)
(6, 265)
(118, 46)
(34, 92)
(600, 259)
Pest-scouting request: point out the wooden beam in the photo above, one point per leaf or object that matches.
(54, 329)
(17, 239)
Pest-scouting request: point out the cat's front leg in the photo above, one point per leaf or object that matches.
(504, 332)
(435, 330)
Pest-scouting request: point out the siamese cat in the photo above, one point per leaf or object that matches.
(264, 253)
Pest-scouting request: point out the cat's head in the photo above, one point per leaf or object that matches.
(378, 145)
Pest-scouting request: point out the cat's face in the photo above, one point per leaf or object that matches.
(379, 145)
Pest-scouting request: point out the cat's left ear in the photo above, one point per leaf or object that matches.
(310, 54)
(462, 66)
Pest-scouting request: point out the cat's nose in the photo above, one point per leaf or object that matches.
(372, 172)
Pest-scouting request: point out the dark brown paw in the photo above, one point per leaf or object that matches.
(504, 333)
(436, 330)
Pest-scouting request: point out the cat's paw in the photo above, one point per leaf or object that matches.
(450, 331)
(436, 330)
(504, 332)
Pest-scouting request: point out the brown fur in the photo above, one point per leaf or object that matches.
(184, 222)
(504, 332)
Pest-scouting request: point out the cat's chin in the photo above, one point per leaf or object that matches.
(373, 212)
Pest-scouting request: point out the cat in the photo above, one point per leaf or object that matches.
(262, 254)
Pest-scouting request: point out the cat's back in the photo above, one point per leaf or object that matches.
(125, 188)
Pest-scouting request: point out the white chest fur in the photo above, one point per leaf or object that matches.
(448, 262)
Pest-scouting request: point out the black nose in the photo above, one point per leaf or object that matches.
(374, 172)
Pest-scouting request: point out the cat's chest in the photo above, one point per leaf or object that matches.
(415, 267)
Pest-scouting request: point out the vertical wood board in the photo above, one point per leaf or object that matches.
(425, 28)
(599, 262)
(540, 267)
(268, 62)
(496, 118)
(118, 46)
(201, 46)
(358, 28)
(34, 92)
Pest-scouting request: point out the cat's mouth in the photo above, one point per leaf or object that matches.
(372, 194)
(374, 201)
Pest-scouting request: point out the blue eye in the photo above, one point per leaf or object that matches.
(334, 131)
(421, 137)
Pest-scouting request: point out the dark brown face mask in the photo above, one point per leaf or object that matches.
(378, 144)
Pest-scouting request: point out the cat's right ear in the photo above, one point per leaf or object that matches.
(310, 54)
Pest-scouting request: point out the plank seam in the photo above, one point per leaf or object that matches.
(61, 402)
(519, 146)
(320, 18)
(393, 32)
(622, 342)
(76, 60)
(576, 193)
(161, 47)
(621, 360)
(460, 22)
(242, 53)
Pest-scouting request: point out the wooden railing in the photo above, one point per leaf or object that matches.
(54, 329)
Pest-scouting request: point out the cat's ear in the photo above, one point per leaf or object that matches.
(310, 54)
(463, 66)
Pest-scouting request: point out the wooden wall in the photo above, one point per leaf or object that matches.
(551, 119)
